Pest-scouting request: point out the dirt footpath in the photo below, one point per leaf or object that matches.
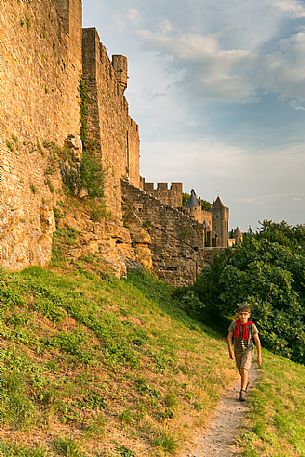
(218, 439)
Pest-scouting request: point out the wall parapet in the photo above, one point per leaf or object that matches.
(177, 241)
(169, 195)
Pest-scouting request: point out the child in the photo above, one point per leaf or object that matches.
(244, 332)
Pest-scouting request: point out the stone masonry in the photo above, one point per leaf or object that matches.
(40, 69)
(169, 196)
(176, 240)
(114, 133)
(44, 54)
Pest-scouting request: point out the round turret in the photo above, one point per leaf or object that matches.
(193, 200)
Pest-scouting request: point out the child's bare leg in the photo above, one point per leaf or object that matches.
(244, 378)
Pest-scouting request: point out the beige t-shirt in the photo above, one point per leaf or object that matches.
(241, 346)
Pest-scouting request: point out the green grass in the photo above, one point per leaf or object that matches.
(275, 426)
(93, 366)
(90, 361)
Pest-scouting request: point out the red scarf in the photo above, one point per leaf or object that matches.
(245, 326)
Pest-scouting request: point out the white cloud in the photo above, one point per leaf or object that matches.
(203, 55)
(283, 70)
(223, 51)
(200, 160)
(133, 15)
(165, 26)
(193, 47)
(296, 106)
(234, 74)
(127, 18)
(205, 65)
(295, 8)
(271, 199)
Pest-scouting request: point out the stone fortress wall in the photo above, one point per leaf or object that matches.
(44, 55)
(215, 222)
(169, 196)
(40, 69)
(175, 240)
(114, 133)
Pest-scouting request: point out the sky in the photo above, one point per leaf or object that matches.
(218, 90)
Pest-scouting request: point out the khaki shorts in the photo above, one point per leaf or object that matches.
(243, 361)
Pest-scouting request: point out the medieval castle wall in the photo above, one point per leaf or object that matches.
(199, 215)
(176, 240)
(169, 196)
(114, 133)
(44, 55)
(40, 69)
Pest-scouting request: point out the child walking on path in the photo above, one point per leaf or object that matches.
(244, 332)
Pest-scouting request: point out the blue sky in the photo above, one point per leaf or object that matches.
(218, 89)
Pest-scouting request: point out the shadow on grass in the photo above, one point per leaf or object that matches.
(166, 297)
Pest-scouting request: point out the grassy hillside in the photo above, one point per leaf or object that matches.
(93, 366)
(275, 426)
(100, 367)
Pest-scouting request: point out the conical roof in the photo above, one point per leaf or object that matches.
(193, 200)
(218, 202)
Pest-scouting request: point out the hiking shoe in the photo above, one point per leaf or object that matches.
(242, 395)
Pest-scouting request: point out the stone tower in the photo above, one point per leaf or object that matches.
(220, 217)
(120, 66)
(193, 207)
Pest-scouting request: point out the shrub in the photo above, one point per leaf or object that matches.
(267, 270)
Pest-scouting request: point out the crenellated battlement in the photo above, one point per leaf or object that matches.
(171, 196)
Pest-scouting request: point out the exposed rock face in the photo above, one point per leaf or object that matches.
(74, 144)
(26, 209)
(103, 243)
(141, 242)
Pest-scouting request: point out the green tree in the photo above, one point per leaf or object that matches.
(267, 270)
